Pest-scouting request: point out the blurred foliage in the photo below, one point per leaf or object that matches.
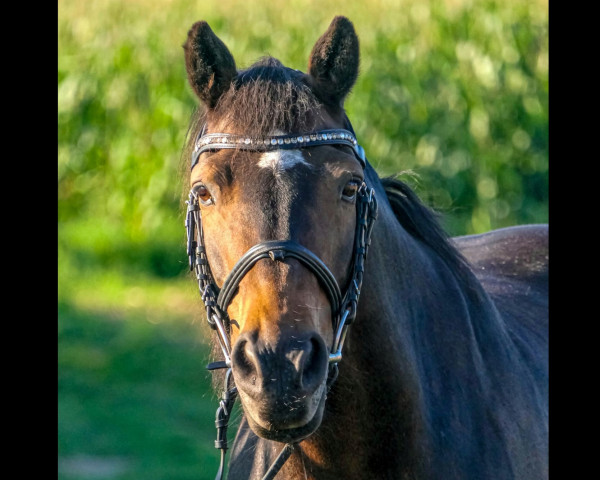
(454, 92)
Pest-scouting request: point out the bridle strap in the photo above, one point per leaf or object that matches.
(219, 141)
(279, 461)
(278, 250)
(216, 301)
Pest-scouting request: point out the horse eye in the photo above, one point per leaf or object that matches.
(203, 194)
(350, 190)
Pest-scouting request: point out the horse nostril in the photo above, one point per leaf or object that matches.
(311, 363)
(244, 359)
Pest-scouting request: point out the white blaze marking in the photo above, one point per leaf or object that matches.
(279, 160)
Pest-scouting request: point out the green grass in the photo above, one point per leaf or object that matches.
(134, 391)
(134, 397)
(455, 91)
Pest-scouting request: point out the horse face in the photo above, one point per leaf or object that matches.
(281, 317)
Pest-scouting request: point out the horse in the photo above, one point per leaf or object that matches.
(426, 358)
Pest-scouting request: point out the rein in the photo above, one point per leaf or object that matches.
(216, 300)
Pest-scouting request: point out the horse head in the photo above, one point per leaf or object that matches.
(277, 195)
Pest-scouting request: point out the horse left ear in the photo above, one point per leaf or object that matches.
(334, 60)
(209, 64)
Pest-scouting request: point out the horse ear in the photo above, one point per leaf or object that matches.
(209, 64)
(334, 60)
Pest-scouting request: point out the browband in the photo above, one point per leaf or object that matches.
(218, 141)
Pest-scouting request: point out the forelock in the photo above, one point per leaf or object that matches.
(265, 98)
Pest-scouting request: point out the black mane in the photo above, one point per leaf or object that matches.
(267, 97)
(423, 223)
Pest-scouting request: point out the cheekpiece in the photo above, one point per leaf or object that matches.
(218, 141)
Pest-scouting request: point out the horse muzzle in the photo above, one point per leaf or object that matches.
(282, 388)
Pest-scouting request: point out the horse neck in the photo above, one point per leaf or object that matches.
(416, 343)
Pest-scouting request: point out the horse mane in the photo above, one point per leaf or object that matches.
(267, 97)
(422, 223)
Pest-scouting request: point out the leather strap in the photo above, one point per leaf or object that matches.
(218, 141)
(343, 308)
(278, 250)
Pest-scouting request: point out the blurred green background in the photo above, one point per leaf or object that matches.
(455, 91)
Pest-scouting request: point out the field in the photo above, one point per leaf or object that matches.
(453, 94)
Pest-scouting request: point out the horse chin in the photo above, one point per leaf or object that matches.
(283, 428)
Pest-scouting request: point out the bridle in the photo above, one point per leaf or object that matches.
(216, 300)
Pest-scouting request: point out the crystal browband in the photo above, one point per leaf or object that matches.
(218, 141)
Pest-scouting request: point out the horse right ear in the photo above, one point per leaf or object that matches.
(334, 61)
(209, 64)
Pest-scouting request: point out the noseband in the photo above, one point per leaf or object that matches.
(216, 300)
